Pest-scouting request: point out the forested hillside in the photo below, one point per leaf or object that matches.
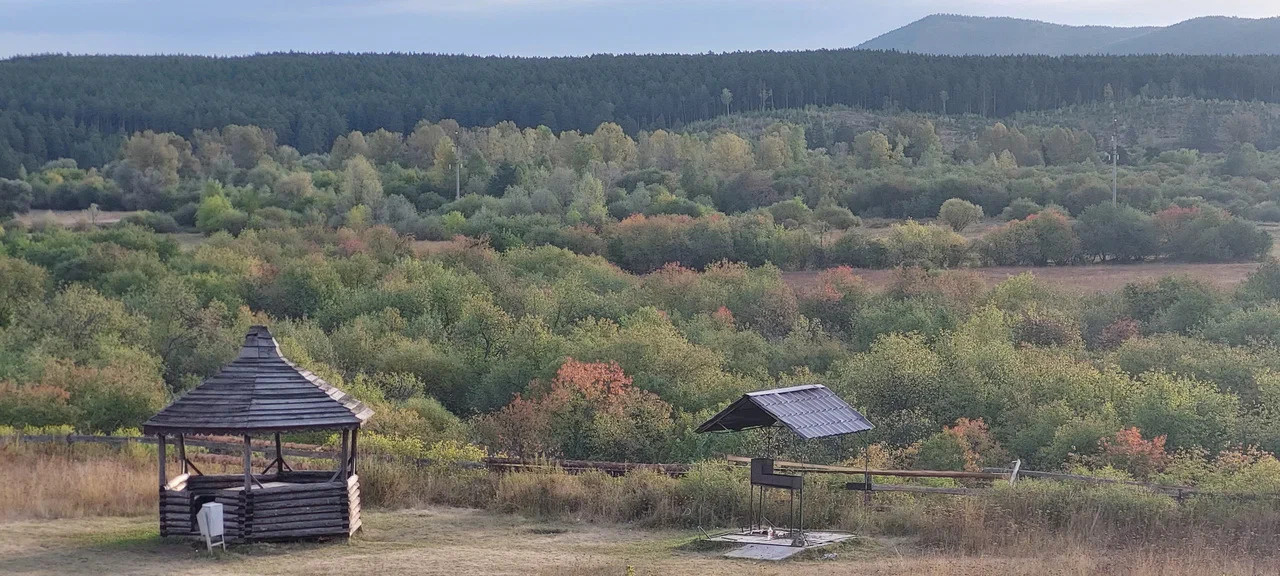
(596, 293)
(82, 107)
(757, 196)
(956, 35)
(541, 351)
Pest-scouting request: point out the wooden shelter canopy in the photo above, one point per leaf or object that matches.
(260, 391)
(811, 411)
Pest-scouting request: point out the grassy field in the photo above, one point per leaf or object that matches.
(73, 217)
(1084, 279)
(454, 541)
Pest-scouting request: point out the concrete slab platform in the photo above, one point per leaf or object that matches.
(764, 552)
(761, 547)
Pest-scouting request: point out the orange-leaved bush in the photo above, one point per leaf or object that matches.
(968, 445)
(589, 410)
(836, 298)
(1128, 451)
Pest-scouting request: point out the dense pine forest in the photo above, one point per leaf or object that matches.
(82, 107)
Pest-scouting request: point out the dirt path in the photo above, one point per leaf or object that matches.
(449, 541)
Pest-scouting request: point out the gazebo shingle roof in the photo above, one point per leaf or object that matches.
(260, 391)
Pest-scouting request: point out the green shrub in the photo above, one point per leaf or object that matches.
(925, 246)
(1116, 232)
(959, 214)
(1019, 209)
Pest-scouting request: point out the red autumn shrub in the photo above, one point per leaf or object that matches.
(724, 317)
(1119, 332)
(589, 410)
(836, 298)
(980, 446)
(34, 405)
(1128, 451)
(968, 445)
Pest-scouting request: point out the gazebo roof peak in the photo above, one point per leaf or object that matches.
(259, 391)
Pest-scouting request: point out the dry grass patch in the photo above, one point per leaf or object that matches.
(464, 542)
(48, 484)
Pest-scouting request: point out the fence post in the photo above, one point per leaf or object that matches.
(1013, 476)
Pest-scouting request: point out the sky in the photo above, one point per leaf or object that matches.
(527, 27)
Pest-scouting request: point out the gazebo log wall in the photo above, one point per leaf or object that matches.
(309, 505)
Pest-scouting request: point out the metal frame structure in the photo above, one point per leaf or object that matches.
(810, 412)
(763, 478)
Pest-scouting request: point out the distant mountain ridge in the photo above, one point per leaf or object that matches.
(956, 35)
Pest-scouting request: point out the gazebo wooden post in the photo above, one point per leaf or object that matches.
(279, 456)
(164, 480)
(248, 465)
(182, 453)
(355, 433)
(341, 472)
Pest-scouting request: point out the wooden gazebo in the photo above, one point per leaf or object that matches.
(261, 393)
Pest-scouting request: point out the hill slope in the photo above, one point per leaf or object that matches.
(949, 34)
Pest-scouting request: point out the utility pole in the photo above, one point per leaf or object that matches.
(457, 167)
(1115, 160)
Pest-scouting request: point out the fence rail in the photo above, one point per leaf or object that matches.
(501, 464)
(825, 469)
(311, 451)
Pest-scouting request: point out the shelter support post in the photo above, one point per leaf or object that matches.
(800, 524)
(355, 433)
(279, 456)
(866, 471)
(182, 453)
(248, 465)
(341, 472)
(160, 450)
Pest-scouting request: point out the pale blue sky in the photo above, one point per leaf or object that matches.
(526, 27)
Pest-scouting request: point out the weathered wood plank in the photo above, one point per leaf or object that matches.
(319, 487)
(300, 534)
(928, 489)
(311, 521)
(298, 512)
(299, 503)
(300, 530)
(287, 498)
(820, 469)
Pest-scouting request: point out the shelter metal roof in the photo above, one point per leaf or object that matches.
(811, 411)
(259, 391)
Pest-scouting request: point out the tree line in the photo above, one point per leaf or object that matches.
(82, 106)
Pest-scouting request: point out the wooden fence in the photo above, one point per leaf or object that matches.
(230, 447)
(501, 464)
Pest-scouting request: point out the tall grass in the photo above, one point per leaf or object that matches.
(65, 482)
(52, 481)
